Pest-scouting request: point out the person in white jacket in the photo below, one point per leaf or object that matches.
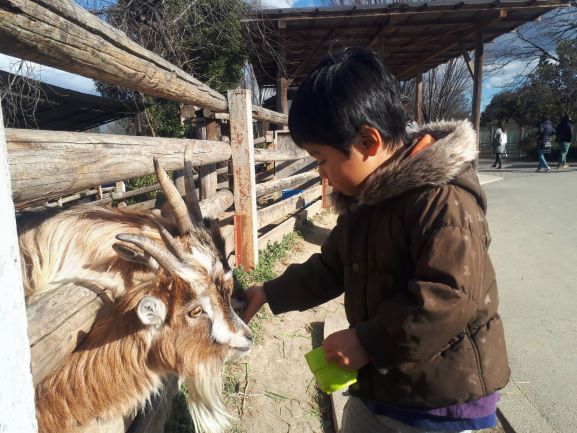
(499, 144)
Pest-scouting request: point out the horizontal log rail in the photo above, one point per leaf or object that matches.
(260, 113)
(277, 185)
(271, 155)
(278, 210)
(68, 37)
(50, 164)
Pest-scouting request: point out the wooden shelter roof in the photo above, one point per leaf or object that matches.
(410, 37)
(60, 109)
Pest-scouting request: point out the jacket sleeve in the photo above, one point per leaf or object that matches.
(306, 285)
(438, 301)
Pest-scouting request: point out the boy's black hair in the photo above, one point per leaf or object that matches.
(346, 91)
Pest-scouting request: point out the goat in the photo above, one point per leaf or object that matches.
(172, 313)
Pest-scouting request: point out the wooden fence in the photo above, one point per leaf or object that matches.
(56, 168)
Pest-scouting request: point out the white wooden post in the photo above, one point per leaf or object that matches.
(17, 413)
(242, 144)
(121, 187)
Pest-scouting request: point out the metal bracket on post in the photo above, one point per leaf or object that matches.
(242, 144)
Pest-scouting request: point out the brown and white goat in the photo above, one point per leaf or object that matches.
(172, 313)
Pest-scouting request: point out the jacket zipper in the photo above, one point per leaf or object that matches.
(477, 360)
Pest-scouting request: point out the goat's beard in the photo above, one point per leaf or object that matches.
(205, 402)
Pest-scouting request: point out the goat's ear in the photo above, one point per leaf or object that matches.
(151, 311)
(132, 254)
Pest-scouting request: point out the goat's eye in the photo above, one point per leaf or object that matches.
(195, 311)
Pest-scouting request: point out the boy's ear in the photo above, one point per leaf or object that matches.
(370, 141)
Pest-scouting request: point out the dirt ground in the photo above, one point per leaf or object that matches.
(277, 392)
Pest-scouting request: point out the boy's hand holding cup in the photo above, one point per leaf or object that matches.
(344, 348)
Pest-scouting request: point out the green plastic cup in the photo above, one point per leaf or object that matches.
(329, 375)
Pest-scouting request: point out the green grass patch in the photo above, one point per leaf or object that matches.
(267, 259)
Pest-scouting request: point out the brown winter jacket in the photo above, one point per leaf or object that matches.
(410, 254)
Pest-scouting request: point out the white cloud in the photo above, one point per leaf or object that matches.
(269, 4)
(51, 75)
(499, 77)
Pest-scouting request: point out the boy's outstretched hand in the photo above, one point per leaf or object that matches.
(255, 299)
(345, 348)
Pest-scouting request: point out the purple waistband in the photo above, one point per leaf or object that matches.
(480, 408)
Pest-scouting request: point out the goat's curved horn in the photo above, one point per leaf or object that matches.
(191, 197)
(174, 198)
(163, 257)
(172, 243)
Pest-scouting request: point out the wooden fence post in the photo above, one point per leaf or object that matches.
(17, 413)
(326, 190)
(242, 144)
(207, 173)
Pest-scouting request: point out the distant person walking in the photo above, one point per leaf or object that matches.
(564, 133)
(499, 143)
(544, 133)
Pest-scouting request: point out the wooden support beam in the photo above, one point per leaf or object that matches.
(380, 33)
(282, 92)
(419, 117)
(281, 72)
(241, 140)
(469, 63)
(17, 412)
(74, 161)
(68, 37)
(277, 185)
(478, 84)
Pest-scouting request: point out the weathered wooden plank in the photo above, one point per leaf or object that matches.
(59, 320)
(66, 36)
(287, 226)
(276, 211)
(48, 164)
(241, 140)
(271, 155)
(16, 391)
(277, 185)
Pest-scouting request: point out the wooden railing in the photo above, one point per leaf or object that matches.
(57, 168)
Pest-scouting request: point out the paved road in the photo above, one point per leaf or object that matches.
(533, 220)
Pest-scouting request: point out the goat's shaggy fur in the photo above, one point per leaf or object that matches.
(123, 360)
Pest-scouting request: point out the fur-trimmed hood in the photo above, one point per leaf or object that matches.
(451, 154)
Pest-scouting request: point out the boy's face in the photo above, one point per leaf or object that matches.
(347, 174)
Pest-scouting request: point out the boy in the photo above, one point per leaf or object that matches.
(409, 251)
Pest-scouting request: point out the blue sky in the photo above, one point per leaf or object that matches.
(305, 3)
(492, 83)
